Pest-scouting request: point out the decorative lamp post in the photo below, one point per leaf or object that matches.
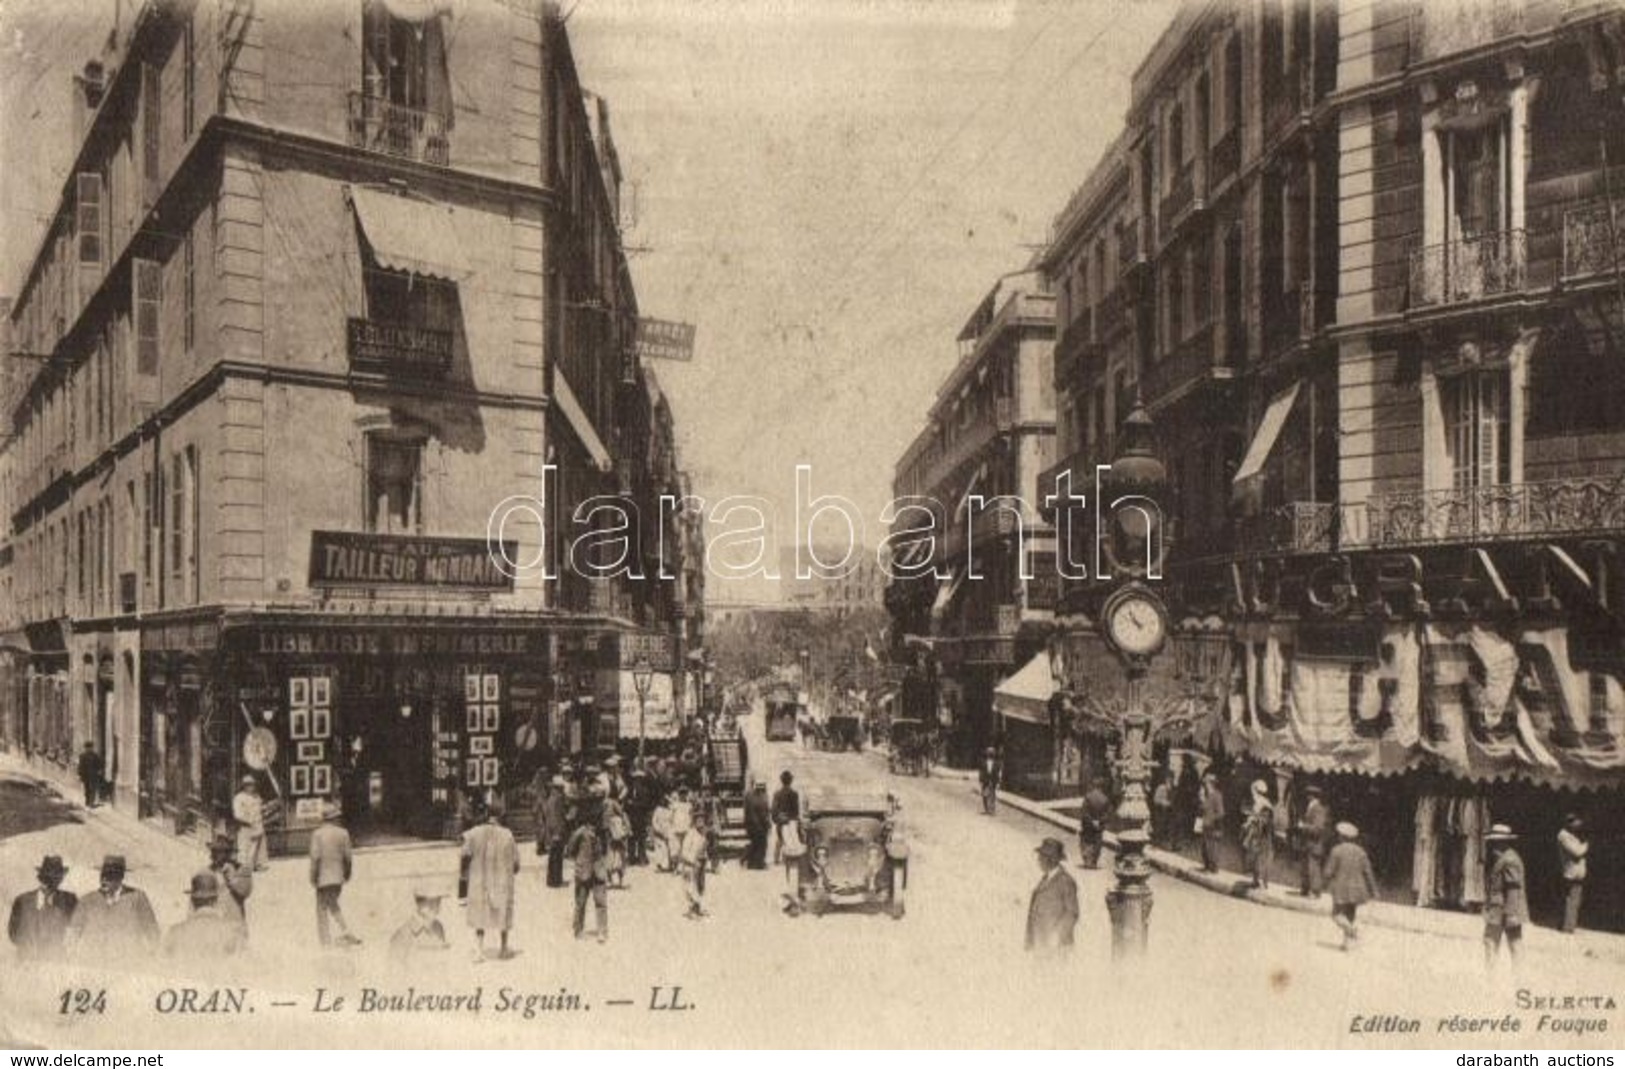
(643, 678)
(1133, 622)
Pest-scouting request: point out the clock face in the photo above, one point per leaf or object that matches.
(1136, 625)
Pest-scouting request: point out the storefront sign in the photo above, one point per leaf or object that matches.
(343, 558)
(662, 339)
(618, 696)
(374, 642)
(657, 647)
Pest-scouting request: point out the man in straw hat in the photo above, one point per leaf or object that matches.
(423, 932)
(1572, 849)
(1350, 880)
(248, 812)
(331, 865)
(1052, 913)
(206, 934)
(1505, 906)
(39, 918)
(115, 923)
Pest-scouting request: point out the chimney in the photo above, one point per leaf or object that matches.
(88, 90)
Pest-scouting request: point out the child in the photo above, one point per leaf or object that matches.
(660, 836)
(619, 829)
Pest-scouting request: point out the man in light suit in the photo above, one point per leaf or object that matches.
(330, 865)
(1053, 912)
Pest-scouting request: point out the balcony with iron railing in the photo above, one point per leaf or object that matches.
(1191, 360)
(1295, 527)
(1593, 240)
(1441, 30)
(1582, 505)
(378, 125)
(1469, 269)
(377, 345)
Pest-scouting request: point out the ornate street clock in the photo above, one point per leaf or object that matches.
(1136, 622)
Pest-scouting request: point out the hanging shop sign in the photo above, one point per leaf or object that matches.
(662, 339)
(349, 559)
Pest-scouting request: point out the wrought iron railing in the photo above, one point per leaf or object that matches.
(1514, 510)
(1593, 239)
(1295, 527)
(381, 345)
(381, 126)
(1487, 265)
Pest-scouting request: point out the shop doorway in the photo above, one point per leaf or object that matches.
(387, 777)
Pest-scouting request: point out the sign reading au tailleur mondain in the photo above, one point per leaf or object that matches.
(343, 558)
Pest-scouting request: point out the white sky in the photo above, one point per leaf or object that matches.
(825, 187)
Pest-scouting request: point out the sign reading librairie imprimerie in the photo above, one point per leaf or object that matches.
(344, 558)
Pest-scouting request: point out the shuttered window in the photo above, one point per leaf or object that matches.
(147, 285)
(89, 218)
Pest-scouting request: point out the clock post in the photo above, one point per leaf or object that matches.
(1133, 621)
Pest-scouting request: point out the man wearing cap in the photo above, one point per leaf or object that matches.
(39, 918)
(235, 878)
(1312, 827)
(1350, 880)
(1505, 906)
(114, 923)
(493, 861)
(331, 864)
(758, 822)
(206, 934)
(1571, 852)
(1052, 914)
(423, 933)
(249, 813)
(786, 810)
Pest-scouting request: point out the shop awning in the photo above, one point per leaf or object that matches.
(565, 398)
(1269, 429)
(412, 235)
(947, 591)
(1026, 695)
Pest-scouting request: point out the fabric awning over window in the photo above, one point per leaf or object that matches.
(1269, 429)
(565, 398)
(1026, 695)
(947, 591)
(411, 235)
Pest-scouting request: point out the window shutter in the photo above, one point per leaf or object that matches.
(150, 117)
(89, 198)
(147, 287)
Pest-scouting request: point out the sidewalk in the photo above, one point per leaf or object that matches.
(1603, 946)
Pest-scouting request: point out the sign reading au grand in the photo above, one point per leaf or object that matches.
(342, 558)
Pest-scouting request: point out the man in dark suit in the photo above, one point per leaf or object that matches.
(91, 771)
(39, 918)
(114, 923)
(786, 810)
(1053, 912)
(758, 821)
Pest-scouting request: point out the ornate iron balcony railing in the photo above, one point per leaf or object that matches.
(1592, 243)
(1295, 527)
(1509, 511)
(1487, 265)
(381, 126)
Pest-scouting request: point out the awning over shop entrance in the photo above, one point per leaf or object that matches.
(1026, 695)
(565, 398)
(1269, 430)
(411, 235)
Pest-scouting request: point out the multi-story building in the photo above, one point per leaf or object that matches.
(860, 585)
(990, 432)
(1374, 302)
(323, 289)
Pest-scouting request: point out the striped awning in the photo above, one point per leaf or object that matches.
(412, 235)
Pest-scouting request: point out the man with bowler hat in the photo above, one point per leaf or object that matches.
(1052, 914)
(114, 923)
(206, 934)
(39, 918)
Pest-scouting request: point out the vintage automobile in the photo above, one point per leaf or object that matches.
(851, 854)
(910, 751)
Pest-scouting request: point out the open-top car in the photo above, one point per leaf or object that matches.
(851, 855)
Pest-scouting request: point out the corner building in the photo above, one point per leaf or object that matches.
(326, 285)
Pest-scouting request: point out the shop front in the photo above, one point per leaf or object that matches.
(404, 725)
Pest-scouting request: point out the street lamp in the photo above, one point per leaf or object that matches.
(1133, 621)
(643, 678)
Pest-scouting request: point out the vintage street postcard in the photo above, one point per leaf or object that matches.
(773, 523)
